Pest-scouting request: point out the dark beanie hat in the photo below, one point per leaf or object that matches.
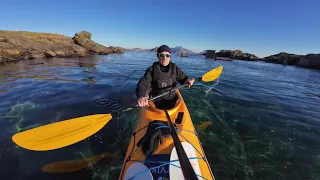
(164, 48)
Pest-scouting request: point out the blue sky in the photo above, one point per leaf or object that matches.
(261, 27)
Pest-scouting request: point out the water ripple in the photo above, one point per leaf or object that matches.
(264, 117)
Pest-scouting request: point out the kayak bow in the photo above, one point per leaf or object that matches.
(164, 163)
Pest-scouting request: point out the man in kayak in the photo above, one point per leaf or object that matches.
(159, 78)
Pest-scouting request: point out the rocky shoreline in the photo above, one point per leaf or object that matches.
(237, 54)
(23, 45)
(307, 61)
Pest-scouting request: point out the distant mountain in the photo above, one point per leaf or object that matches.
(135, 49)
(154, 49)
(180, 49)
(177, 49)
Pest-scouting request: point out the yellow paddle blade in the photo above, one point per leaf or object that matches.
(76, 165)
(212, 75)
(61, 134)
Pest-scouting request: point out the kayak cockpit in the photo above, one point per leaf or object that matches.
(152, 106)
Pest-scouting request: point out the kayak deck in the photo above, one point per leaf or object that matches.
(164, 164)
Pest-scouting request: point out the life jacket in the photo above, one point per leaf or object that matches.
(163, 81)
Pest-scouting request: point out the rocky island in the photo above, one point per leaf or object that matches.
(306, 61)
(23, 45)
(237, 54)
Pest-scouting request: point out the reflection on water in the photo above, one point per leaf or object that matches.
(57, 69)
(258, 121)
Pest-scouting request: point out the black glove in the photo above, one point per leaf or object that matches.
(151, 141)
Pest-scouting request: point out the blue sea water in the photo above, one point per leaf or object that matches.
(265, 117)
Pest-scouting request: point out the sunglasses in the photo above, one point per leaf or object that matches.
(164, 55)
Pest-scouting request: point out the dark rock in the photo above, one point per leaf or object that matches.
(237, 54)
(248, 57)
(229, 53)
(310, 61)
(283, 58)
(210, 54)
(307, 61)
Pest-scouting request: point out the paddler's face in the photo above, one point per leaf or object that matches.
(164, 58)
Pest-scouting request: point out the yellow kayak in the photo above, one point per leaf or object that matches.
(164, 162)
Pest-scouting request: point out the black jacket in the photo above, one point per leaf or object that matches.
(144, 87)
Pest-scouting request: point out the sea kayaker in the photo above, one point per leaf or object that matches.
(162, 76)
